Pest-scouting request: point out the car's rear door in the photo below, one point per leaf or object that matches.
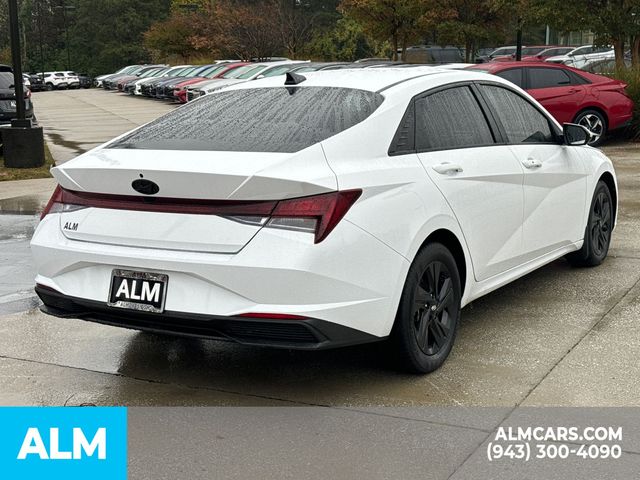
(480, 180)
(554, 174)
(560, 92)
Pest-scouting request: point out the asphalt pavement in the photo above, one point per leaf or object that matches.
(559, 336)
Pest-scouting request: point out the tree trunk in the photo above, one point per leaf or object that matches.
(618, 48)
(404, 48)
(635, 51)
(395, 47)
(468, 50)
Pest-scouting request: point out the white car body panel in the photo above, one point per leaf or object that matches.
(508, 220)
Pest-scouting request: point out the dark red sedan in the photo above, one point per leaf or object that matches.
(599, 103)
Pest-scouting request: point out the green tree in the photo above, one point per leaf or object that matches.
(399, 21)
(103, 35)
(469, 23)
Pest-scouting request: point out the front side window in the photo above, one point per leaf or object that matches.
(256, 120)
(522, 122)
(449, 119)
(548, 78)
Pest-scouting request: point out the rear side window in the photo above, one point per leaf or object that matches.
(514, 76)
(256, 120)
(548, 77)
(450, 118)
(522, 122)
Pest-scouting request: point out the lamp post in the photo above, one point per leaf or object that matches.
(23, 144)
(65, 8)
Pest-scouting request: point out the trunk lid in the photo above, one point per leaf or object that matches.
(184, 179)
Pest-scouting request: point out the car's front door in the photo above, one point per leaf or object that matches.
(554, 174)
(480, 180)
(558, 91)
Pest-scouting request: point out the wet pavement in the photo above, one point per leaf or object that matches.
(559, 336)
(75, 121)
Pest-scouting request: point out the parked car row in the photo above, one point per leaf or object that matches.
(60, 80)
(184, 83)
(572, 56)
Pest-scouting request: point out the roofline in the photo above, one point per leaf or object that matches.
(399, 82)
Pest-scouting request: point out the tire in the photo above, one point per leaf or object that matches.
(49, 87)
(595, 122)
(429, 312)
(597, 235)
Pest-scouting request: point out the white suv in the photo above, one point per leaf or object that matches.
(72, 79)
(61, 80)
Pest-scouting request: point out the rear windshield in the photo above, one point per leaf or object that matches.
(256, 120)
(6, 79)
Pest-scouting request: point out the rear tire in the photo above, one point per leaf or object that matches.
(597, 235)
(428, 315)
(595, 122)
(49, 87)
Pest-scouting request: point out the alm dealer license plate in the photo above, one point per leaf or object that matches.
(142, 291)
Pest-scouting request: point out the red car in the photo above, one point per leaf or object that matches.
(546, 53)
(526, 52)
(572, 96)
(181, 89)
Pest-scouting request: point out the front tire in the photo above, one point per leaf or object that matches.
(428, 315)
(597, 235)
(595, 122)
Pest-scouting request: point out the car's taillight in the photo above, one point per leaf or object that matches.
(55, 198)
(318, 214)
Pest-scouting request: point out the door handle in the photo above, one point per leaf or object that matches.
(447, 168)
(531, 163)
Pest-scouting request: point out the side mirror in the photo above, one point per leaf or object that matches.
(573, 134)
(260, 76)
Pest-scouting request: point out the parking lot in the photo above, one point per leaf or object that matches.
(559, 336)
(77, 120)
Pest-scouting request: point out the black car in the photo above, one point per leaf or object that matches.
(8, 99)
(37, 83)
(85, 80)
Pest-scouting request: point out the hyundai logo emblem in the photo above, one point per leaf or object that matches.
(145, 187)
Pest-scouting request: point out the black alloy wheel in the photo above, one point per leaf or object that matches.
(600, 223)
(432, 301)
(428, 315)
(597, 235)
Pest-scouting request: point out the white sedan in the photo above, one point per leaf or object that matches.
(336, 209)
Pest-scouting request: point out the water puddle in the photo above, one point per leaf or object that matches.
(58, 139)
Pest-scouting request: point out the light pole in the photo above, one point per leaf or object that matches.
(41, 40)
(23, 144)
(65, 8)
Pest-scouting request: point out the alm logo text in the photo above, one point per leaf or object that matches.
(34, 445)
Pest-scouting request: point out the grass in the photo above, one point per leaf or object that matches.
(7, 174)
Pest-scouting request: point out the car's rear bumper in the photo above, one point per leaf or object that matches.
(350, 279)
(300, 334)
